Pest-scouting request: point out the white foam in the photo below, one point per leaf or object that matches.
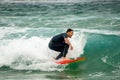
(78, 41)
(97, 74)
(105, 32)
(49, 1)
(8, 30)
(104, 59)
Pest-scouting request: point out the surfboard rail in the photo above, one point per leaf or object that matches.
(68, 61)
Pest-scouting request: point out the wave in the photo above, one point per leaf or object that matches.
(101, 50)
(104, 32)
(26, 49)
(30, 52)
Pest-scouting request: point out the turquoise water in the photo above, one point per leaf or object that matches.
(26, 28)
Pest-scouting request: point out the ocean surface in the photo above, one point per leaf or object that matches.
(27, 27)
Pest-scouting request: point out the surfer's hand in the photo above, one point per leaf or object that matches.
(71, 47)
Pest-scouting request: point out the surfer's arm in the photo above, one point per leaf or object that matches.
(68, 42)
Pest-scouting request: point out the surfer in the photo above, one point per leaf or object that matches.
(61, 43)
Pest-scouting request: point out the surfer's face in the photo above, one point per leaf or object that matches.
(70, 34)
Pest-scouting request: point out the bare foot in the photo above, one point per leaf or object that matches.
(66, 58)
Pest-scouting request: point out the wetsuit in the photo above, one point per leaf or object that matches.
(57, 43)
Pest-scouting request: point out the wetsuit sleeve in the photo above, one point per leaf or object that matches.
(65, 36)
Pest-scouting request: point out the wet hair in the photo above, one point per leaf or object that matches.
(69, 30)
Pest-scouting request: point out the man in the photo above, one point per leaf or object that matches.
(61, 43)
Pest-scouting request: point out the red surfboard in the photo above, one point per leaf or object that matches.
(70, 60)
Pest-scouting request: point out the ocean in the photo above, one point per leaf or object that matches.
(27, 27)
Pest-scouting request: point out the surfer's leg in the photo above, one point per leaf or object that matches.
(59, 56)
(63, 52)
(56, 46)
(60, 47)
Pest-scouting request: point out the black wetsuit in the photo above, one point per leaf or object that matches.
(57, 43)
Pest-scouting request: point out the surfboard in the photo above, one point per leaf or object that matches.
(71, 60)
